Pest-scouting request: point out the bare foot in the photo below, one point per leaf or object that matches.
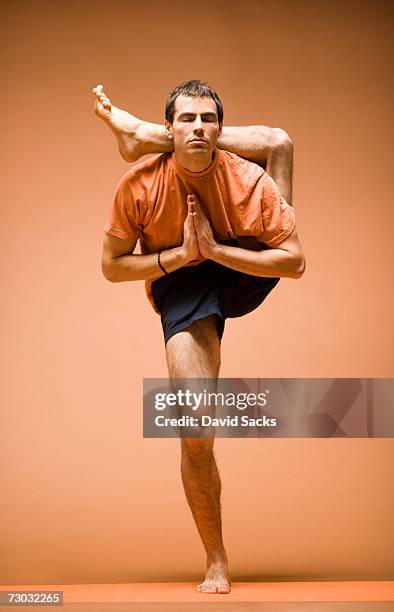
(123, 125)
(216, 579)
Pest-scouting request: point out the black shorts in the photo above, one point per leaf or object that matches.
(194, 292)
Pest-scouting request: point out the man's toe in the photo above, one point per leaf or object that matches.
(210, 588)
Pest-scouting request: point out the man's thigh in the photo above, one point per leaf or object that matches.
(194, 352)
(193, 358)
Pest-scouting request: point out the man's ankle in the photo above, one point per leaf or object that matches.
(151, 138)
(218, 557)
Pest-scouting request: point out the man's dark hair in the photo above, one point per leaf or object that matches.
(193, 89)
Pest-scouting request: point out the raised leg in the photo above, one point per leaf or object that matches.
(195, 353)
(135, 137)
(269, 147)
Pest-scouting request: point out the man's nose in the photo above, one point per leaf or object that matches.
(198, 123)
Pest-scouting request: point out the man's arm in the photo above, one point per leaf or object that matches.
(119, 264)
(285, 260)
(269, 147)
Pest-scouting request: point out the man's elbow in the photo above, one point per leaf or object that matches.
(299, 266)
(108, 272)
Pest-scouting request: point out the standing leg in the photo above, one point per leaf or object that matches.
(195, 353)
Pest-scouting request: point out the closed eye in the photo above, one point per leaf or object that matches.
(207, 118)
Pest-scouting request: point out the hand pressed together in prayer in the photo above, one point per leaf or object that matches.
(198, 240)
(203, 229)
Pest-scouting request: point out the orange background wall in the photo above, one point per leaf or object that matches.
(85, 497)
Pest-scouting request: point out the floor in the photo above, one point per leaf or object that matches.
(365, 596)
(226, 607)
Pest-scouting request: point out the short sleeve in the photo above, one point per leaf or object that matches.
(124, 213)
(278, 217)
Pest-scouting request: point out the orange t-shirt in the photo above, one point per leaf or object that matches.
(239, 198)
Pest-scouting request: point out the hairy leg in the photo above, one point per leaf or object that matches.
(195, 353)
(269, 147)
(135, 137)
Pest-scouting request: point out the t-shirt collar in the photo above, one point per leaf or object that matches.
(181, 170)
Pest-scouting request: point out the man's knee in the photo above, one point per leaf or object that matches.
(281, 141)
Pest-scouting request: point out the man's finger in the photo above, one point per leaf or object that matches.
(190, 205)
(196, 222)
(194, 199)
(194, 226)
(198, 209)
(202, 218)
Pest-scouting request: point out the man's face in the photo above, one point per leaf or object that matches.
(195, 129)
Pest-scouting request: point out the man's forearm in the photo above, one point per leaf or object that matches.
(269, 263)
(143, 267)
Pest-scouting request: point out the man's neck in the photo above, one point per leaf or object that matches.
(195, 163)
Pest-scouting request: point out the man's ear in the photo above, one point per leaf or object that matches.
(168, 127)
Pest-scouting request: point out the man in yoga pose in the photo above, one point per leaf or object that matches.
(216, 234)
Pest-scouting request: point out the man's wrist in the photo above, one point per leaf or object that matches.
(184, 257)
(172, 259)
(162, 268)
(215, 251)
